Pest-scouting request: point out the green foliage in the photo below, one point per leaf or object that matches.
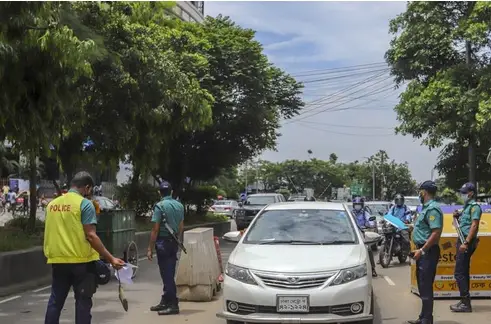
(22, 224)
(446, 96)
(449, 196)
(251, 96)
(142, 199)
(199, 196)
(14, 239)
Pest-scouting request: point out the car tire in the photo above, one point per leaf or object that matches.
(234, 322)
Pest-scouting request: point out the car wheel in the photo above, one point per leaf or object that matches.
(234, 322)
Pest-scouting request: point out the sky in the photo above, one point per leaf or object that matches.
(349, 111)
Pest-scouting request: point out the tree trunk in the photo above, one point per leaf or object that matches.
(135, 181)
(472, 161)
(31, 224)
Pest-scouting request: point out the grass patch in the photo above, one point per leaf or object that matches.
(12, 239)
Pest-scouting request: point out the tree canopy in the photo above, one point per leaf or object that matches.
(441, 50)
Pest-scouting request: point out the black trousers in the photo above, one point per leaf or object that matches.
(462, 268)
(425, 274)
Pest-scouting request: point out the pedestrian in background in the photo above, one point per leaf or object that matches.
(170, 211)
(426, 236)
(469, 226)
(73, 248)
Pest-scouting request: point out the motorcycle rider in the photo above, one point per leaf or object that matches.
(401, 211)
(363, 221)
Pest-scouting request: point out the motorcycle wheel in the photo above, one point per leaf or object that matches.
(402, 258)
(384, 257)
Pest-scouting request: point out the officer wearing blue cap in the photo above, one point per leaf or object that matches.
(426, 236)
(171, 211)
(469, 225)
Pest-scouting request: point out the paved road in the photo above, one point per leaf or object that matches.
(394, 302)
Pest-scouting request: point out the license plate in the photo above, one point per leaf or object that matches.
(292, 304)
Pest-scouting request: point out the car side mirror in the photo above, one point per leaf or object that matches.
(241, 204)
(371, 238)
(372, 218)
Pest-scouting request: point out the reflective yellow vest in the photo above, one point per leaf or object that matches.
(64, 236)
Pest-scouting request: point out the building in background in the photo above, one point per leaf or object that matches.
(192, 11)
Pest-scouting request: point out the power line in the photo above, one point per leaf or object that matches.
(346, 126)
(344, 76)
(347, 134)
(339, 68)
(355, 98)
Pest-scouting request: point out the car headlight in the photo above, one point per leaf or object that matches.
(240, 274)
(350, 274)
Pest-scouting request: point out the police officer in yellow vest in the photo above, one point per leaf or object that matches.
(469, 225)
(426, 236)
(72, 247)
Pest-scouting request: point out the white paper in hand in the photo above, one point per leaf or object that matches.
(125, 273)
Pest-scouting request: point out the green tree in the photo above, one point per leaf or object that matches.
(441, 49)
(41, 60)
(251, 97)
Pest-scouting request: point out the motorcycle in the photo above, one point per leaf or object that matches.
(394, 244)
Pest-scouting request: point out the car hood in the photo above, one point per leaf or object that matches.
(307, 258)
(253, 207)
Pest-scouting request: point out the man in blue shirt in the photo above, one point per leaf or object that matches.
(170, 211)
(400, 210)
(469, 225)
(363, 221)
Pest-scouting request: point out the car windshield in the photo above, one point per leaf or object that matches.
(260, 200)
(223, 202)
(378, 208)
(410, 201)
(302, 226)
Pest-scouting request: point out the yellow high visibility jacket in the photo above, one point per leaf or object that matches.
(64, 236)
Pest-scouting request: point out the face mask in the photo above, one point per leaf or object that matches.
(464, 197)
(357, 207)
(422, 197)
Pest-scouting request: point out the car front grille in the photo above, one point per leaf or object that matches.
(249, 212)
(294, 281)
(341, 310)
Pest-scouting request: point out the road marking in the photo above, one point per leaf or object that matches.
(389, 281)
(9, 299)
(41, 289)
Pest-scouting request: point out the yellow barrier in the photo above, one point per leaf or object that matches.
(445, 285)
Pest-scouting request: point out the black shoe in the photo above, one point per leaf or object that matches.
(418, 321)
(159, 307)
(374, 273)
(463, 306)
(170, 310)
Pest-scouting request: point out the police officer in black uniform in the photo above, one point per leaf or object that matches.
(426, 236)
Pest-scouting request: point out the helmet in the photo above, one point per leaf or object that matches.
(429, 186)
(164, 185)
(103, 272)
(358, 201)
(399, 200)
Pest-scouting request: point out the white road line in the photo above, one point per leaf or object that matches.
(9, 299)
(389, 281)
(41, 289)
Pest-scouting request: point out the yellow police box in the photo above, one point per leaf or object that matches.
(480, 271)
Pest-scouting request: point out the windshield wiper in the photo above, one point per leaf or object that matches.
(292, 242)
(338, 242)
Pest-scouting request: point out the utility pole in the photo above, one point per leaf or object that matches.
(245, 172)
(471, 138)
(373, 181)
(257, 176)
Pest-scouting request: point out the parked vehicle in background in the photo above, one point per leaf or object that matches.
(105, 204)
(412, 202)
(225, 207)
(378, 209)
(263, 285)
(254, 203)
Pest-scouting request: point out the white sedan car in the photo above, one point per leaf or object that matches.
(299, 262)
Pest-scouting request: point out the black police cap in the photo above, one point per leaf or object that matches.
(429, 186)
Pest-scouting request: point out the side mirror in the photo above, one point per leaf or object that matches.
(372, 218)
(371, 238)
(241, 204)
